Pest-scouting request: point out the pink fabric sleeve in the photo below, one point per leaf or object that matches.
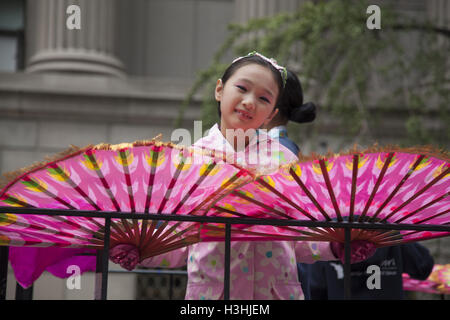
(173, 259)
(28, 263)
(311, 251)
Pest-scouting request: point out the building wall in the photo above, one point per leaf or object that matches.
(171, 38)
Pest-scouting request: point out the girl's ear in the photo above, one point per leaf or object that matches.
(271, 116)
(219, 90)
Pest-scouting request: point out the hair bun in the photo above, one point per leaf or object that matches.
(304, 113)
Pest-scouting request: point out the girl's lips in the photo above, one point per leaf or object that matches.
(244, 114)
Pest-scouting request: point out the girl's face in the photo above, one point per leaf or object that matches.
(247, 100)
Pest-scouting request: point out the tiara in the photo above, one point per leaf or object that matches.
(272, 61)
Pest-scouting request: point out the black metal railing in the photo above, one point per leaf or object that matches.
(103, 254)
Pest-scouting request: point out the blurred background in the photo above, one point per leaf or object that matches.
(133, 69)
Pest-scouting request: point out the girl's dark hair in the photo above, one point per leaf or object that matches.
(291, 104)
(233, 67)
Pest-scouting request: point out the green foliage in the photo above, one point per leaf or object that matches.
(359, 77)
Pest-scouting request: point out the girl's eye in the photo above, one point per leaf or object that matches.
(265, 99)
(242, 88)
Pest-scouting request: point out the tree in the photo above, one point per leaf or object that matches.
(359, 77)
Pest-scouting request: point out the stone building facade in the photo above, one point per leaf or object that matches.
(121, 77)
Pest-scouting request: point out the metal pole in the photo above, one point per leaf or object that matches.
(105, 258)
(347, 265)
(226, 278)
(101, 281)
(98, 275)
(24, 294)
(4, 255)
(225, 220)
(170, 286)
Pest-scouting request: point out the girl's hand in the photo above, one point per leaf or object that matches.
(126, 255)
(360, 250)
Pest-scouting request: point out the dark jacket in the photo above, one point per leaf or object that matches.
(327, 278)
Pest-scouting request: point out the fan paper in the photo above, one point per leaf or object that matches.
(438, 282)
(145, 177)
(389, 187)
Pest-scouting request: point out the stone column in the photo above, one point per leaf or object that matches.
(53, 47)
(439, 12)
(246, 10)
(251, 9)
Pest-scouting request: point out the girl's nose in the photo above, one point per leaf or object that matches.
(249, 102)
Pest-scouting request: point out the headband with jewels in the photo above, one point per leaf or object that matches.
(272, 61)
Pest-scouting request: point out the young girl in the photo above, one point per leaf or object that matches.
(247, 95)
